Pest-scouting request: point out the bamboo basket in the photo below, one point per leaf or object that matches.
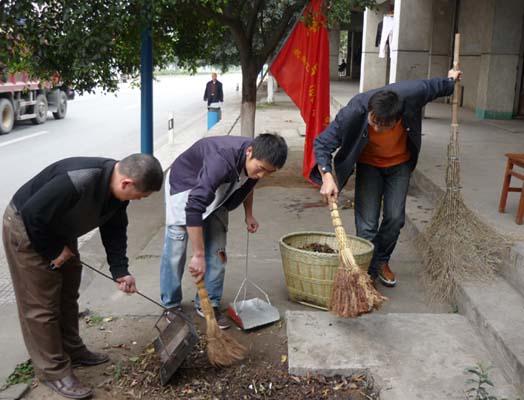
(309, 275)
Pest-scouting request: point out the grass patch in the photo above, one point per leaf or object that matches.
(264, 105)
(94, 319)
(23, 373)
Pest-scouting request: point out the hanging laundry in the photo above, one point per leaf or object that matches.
(387, 35)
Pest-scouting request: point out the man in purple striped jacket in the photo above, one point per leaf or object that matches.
(214, 176)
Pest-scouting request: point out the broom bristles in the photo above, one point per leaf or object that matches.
(222, 349)
(353, 293)
(458, 246)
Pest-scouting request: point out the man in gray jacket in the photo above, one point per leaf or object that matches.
(40, 229)
(380, 132)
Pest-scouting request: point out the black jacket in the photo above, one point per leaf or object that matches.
(213, 92)
(70, 198)
(349, 131)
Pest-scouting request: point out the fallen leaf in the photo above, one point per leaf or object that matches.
(283, 358)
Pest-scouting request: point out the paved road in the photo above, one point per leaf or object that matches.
(98, 125)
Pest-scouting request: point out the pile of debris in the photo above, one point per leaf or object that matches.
(252, 379)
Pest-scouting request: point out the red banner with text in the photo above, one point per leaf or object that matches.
(302, 70)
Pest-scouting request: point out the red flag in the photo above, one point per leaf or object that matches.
(302, 70)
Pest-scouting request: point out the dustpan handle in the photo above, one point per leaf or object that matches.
(246, 280)
(110, 278)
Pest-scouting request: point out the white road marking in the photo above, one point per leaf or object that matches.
(23, 138)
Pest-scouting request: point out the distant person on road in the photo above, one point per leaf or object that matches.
(40, 229)
(380, 132)
(213, 92)
(211, 178)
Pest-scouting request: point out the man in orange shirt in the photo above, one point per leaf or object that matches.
(379, 131)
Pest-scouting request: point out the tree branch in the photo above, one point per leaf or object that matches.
(210, 13)
(278, 32)
(252, 19)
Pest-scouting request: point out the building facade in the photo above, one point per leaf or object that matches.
(419, 44)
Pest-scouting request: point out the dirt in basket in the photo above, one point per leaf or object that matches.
(318, 248)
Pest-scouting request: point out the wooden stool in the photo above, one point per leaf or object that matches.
(518, 160)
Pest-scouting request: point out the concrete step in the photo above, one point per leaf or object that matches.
(410, 356)
(512, 268)
(496, 310)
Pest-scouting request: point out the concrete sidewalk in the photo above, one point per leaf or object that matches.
(285, 203)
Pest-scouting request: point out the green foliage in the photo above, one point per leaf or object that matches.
(340, 11)
(94, 319)
(480, 383)
(90, 43)
(118, 370)
(23, 373)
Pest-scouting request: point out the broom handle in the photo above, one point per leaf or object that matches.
(456, 89)
(340, 232)
(205, 303)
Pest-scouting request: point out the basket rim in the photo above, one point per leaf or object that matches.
(318, 254)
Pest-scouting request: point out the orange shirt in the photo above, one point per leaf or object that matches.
(386, 149)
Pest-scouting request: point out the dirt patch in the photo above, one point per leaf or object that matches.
(133, 371)
(290, 175)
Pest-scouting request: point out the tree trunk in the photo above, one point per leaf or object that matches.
(249, 100)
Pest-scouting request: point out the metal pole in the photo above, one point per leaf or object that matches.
(146, 82)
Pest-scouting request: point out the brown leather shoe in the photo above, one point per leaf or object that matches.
(70, 387)
(88, 358)
(386, 276)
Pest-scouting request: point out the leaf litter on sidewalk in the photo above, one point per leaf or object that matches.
(251, 379)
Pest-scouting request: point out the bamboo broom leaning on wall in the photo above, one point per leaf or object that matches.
(456, 244)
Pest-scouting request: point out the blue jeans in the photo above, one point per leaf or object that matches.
(173, 260)
(374, 184)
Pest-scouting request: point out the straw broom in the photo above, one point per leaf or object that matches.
(353, 292)
(456, 245)
(222, 349)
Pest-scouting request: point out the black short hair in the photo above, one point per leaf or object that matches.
(144, 169)
(270, 147)
(387, 106)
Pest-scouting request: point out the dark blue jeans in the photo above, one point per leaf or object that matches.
(374, 185)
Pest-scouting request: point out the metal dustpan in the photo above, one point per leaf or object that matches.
(255, 312)
(176, 338)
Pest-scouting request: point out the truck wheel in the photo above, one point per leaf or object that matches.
(61, 105)
(7, 116)
(40, 109)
